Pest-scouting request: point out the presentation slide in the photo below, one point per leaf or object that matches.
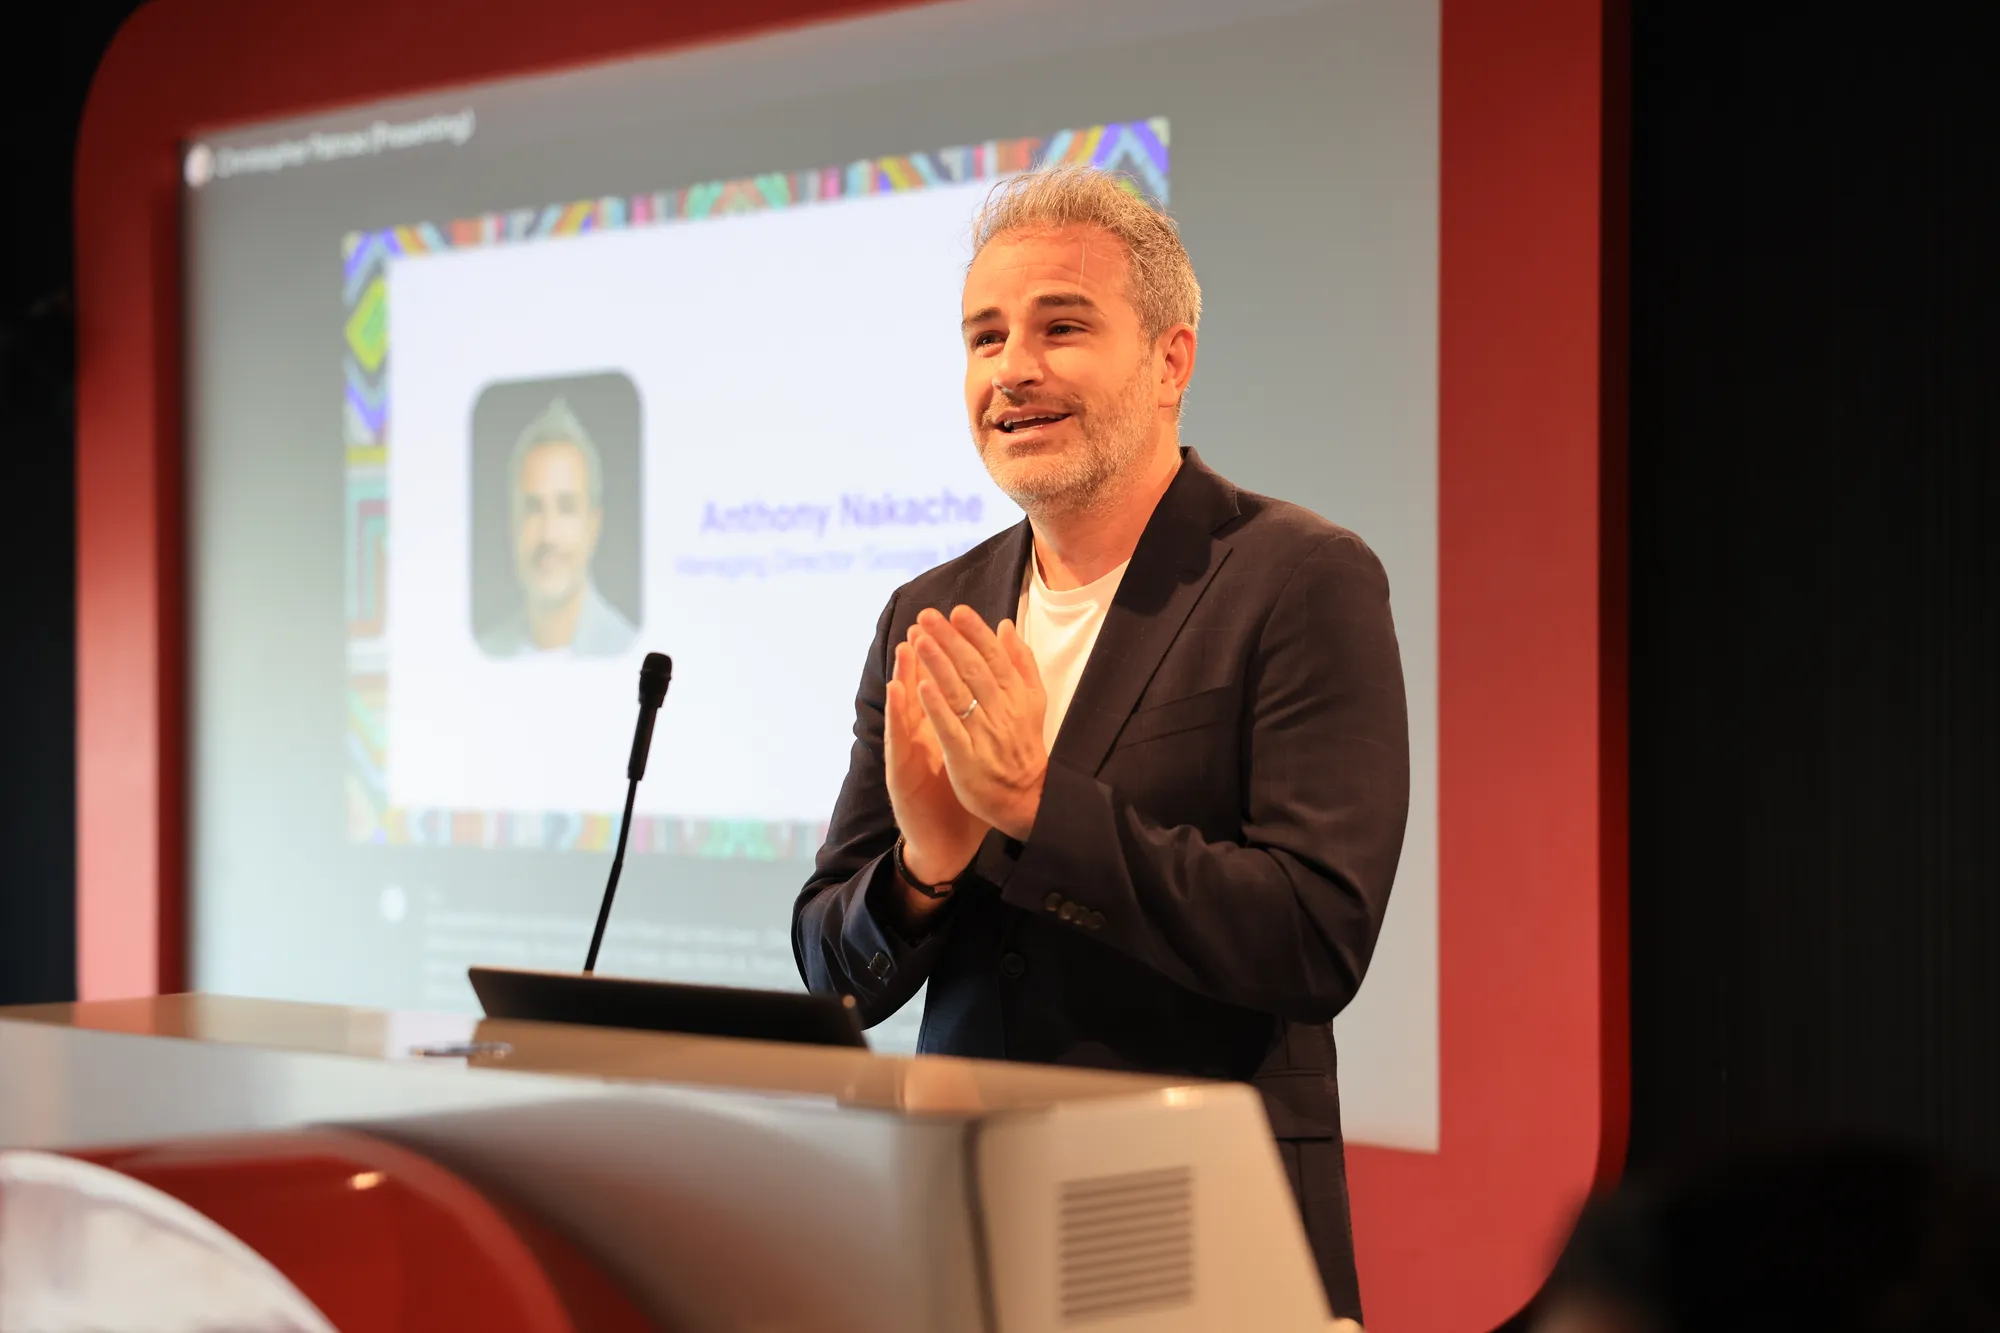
(492, 391)
(776, 497)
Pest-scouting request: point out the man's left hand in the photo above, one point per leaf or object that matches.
(983, 695)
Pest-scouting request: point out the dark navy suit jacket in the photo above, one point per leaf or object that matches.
(1217, 835)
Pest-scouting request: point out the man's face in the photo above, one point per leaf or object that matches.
(1062, 386)
(555, 524)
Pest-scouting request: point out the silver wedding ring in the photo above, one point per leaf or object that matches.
(970, 709)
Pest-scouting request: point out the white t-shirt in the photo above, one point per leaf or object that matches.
(1061, 628)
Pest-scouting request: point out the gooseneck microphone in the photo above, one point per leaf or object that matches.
(654, 674)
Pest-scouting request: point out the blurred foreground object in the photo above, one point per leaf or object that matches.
(298, 1232)
(85, 1248)
(1840, 1236)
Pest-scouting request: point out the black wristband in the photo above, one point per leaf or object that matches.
(903, 873)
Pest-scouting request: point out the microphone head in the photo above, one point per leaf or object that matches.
(654, 673)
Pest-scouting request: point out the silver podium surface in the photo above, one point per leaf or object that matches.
(735, 1185)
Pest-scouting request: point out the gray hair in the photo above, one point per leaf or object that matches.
(1160, 278)
(556, 424)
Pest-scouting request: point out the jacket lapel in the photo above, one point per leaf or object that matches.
(1176, 558)
(994, 588)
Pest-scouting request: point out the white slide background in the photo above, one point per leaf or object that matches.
(791, 357)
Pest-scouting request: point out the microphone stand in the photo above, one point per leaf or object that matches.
(611, 888)
(653, 677)
(658, 1006)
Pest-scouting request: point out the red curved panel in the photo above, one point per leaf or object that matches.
(379, 1237)
(1532, 875)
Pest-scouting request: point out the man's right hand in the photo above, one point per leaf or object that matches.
(939, 837)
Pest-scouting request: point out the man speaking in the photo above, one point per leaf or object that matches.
(1129, 779)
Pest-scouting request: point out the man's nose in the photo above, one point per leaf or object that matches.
(1016, 368)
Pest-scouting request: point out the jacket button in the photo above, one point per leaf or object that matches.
(1094, 921)
(1053, 902)
(1070, 912)
(1013, 966)
(878, 966)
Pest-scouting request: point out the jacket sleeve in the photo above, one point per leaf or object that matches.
(1285, 920)
(844, 932)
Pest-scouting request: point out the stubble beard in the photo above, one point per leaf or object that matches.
(1086, 476)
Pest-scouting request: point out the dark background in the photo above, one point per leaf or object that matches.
(1815, 407)
(1815, 599)
(608, 406)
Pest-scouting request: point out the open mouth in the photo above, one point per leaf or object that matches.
(1030, 424)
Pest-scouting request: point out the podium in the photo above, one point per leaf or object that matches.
(658, 1180)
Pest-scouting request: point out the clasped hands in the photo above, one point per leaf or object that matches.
(962, 739)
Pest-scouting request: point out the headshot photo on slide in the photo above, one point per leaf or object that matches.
(556, 546)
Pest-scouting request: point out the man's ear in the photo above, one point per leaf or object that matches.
(1177, 350)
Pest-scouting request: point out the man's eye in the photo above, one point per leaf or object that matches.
(982, 339)
(1058, 330)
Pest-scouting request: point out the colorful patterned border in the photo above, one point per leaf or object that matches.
(1137, 148)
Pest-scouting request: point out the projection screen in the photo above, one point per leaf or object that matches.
(736, 269)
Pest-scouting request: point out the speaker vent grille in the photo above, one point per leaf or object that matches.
(1126, 1243)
